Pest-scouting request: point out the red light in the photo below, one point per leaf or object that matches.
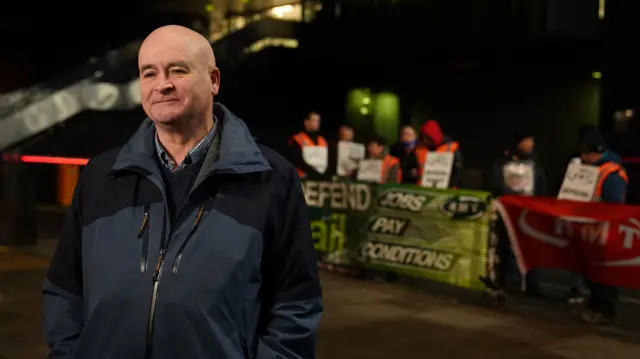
(631, 160)
(54, 160)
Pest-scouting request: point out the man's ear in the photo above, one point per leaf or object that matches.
(215, 81)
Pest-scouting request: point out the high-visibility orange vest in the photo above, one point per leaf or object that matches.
(387, 164)
(302, 139)
(604, 171)
(421, 154)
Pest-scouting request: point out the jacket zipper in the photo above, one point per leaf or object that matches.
(164, 242)
(194, 227)
(143, 233)
(157, 273)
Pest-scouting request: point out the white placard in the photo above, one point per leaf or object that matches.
(519, 177)
(316, 157)
(579, 182)
(437, 170)
(349, 156)
(370, 171)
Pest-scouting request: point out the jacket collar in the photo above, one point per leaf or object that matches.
(238, 152)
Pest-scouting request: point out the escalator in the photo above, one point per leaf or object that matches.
(111, 92)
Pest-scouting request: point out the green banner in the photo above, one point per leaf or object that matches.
(338, 212)
(436, 234)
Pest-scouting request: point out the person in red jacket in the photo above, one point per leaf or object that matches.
(433, 139)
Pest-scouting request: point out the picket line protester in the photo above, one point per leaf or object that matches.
(370, 171)
(437, 170)
(349, 156)
(579, 182)
(316, 157)
(519, 176)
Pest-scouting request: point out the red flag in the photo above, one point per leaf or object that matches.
(599, 240)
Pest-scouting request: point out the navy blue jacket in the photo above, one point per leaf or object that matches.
(614, 187)
(233, 278)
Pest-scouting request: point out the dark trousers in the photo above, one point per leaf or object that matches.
(603, 299)
(509, 275)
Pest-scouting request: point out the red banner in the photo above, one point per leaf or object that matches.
(599, 240)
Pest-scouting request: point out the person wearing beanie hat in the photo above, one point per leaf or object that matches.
(521, 150)
(611, 188)
(592, 145)
(523, 146)
(574, 157)
(433, 139)
(511, 177)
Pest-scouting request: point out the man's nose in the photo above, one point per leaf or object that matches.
(164, 87)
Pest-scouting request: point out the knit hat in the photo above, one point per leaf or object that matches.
(592, 142)
(517, 137)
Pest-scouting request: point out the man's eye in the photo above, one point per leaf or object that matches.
(148, 74)
(178, 71)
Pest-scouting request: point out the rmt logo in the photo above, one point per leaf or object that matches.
(593, 231)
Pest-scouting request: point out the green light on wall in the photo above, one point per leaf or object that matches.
(386, 116)
(358, 107)
(370, 113)
(596, 75)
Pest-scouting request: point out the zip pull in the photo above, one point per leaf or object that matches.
(143, 234)
(196, 221)
(159, 262)
(194, 227)
(145, 222)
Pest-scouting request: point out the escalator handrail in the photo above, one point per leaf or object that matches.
(17, 100)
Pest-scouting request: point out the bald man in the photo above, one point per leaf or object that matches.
(190, 241)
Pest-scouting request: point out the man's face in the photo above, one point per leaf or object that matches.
(527, 145)
(407, 135)
(312, 123)
(175, 83)
(346, 134)
(590, 158)
(375, 150)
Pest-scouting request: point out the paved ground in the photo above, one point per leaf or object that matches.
(362, 320)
